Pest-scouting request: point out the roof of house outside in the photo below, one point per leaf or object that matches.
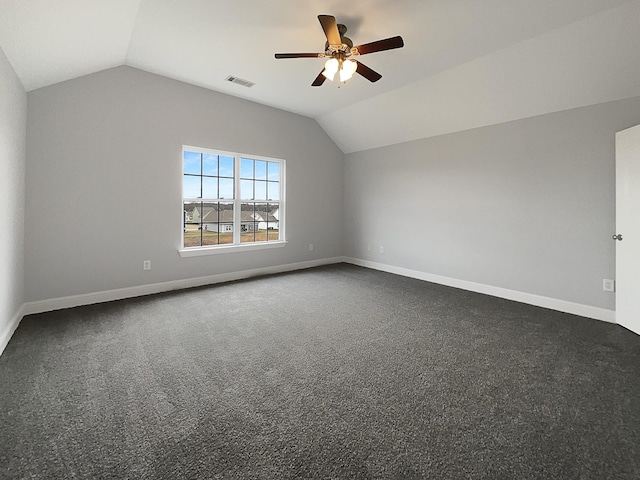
(213, 214)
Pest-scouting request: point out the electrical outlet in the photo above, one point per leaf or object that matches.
(146, 265)
(381, 249)
(608, 285)
(369, 248)
(311, 247)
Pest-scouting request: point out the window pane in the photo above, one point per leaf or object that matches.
(209, 225)
(191, 223)
(248, 233)
(226, 188)
(187, 208)
(261, 216)
(261, 190)
(190, 186)
(225, 226)
(246, 189)
(273, 224)
(273, 171)
(260, 212)
(246, 168)
(209, 187)
(226, 233)
(209, 234)
(192, 236)
(209, 164)
(247, 222)
(261, 170)
(273, 191)
(274, 210)
(225, 213)
(246, 211)
(191, 163)
(226, 166)
(209, 212)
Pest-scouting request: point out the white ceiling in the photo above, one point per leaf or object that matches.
(466, 63)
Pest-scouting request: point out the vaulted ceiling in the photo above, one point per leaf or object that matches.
(465, 64)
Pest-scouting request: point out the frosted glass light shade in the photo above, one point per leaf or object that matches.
(349, 67)
(330, 68)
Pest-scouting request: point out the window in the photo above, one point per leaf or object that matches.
(231, 200)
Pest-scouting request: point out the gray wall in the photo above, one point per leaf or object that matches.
(526, 205)
(104, 181)
(13, 121)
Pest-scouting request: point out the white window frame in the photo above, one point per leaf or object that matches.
(236, 246)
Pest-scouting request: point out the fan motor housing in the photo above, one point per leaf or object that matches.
(342, 29)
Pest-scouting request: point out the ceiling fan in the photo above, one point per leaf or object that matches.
(339, 50)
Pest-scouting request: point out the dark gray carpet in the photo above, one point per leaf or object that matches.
(332, 372)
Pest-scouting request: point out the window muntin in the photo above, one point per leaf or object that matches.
(259, 180)
(230, 199)
(259, 222)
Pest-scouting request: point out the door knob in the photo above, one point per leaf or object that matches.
(617, 237)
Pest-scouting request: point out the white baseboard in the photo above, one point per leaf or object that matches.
(138, 291)
(528, 298)
(7, 332)
(121, 293)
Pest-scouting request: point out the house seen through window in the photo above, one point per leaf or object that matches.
(231, 199)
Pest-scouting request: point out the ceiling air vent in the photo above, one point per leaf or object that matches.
(240, 81)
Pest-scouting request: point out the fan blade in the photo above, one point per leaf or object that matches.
(381, 45)
(299, 55)
(330, 28)
(319, 80)
(367, 73)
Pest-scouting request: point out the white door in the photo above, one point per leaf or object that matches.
(628, 228)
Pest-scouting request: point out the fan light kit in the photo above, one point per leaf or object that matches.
(347, 68)
(339, 49)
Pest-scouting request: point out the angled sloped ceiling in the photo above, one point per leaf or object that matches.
(465, 63)
(585, 63)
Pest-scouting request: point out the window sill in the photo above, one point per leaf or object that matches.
(213, 250)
